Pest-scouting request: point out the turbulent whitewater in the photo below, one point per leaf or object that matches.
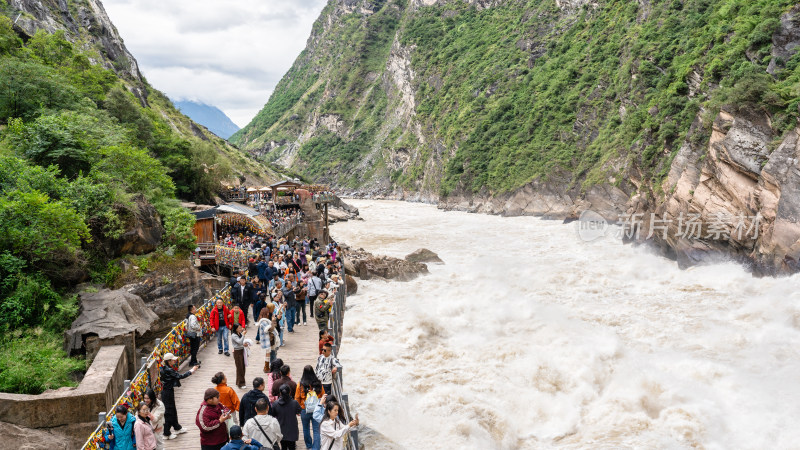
(529, 337)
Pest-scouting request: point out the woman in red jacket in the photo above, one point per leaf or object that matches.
(210, 420)
(221, 327)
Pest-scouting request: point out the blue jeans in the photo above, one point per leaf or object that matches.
(290, 312)
(222, 334)
(306, 420)
(317, 437)
(272, 355)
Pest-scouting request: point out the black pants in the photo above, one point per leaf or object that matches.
(244, 308)
(288, 445)
(303, 309)
(194, 345)
(170, 413)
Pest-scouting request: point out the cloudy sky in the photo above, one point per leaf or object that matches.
(226, 53)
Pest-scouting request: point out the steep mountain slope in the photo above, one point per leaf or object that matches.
(86, 25)
(535, 106)
(209, 116)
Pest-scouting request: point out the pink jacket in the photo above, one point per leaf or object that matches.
(268, 390)
(145, 436)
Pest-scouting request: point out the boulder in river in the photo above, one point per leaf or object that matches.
(423, 255)
(366, 265)
(352, 286)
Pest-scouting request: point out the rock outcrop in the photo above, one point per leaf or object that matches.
(365, 265)
(168, 292)
(732, 197)
(352, 285)
(423, 255)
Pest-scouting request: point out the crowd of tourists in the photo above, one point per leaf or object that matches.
(288, 284)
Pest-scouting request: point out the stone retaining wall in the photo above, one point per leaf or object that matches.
(97, 392)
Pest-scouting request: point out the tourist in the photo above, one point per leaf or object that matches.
(247, 407)
(220, 324)
(286, 378)
(286, 409)
(156, 417)
(302, 391)
(324, 338)
(314, 287)
(237, 339)
(237, 316)
(264, 330)
(227, 396)
(258, 307)
(315, 408)
(327, 366)
(145, 436)
(237, 443)
(170, 379)
(242, 294)
(263, 427)
(332, 429)
(289, 296)
(262, 268)
(119, 431)
(322, 310)
(194, 331)
(210, 421)
(274, 376)
(301, 292)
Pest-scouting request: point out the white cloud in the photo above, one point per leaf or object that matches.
(226, 53)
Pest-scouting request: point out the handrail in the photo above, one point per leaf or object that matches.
(284, 228)
(335, 329)
(175, 342)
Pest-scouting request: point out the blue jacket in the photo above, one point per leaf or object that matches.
(123, 436)
(238, 444)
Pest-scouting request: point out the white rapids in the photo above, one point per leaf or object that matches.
(528, 337)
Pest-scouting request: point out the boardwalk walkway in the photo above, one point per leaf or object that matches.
(301, 349)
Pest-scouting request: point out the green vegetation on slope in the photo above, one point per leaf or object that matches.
(524, 90)
(76, 150)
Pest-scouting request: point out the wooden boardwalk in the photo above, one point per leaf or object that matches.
(301, 349)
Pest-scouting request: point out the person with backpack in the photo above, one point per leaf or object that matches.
(237, 443)
(263, 427)
(286, 410)
(303, 392)
(332, 429)
(315, 408)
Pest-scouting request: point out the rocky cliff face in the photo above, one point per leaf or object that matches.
(549, 108)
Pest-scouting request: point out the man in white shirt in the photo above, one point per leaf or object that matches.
(327, 366)
(263, 427)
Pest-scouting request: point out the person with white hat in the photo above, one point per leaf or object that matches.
(170, 378)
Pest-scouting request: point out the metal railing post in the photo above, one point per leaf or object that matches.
(101, 417)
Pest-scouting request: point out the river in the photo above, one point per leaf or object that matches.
(529, 337)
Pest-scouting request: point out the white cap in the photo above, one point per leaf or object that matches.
(170, 357)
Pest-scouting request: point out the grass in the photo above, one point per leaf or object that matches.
(32, 361)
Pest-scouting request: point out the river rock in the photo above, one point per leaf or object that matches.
(352, 285)
(423, 255)
(22, 438)
(368, 266)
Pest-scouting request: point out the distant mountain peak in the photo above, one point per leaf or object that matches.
(209, 116)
